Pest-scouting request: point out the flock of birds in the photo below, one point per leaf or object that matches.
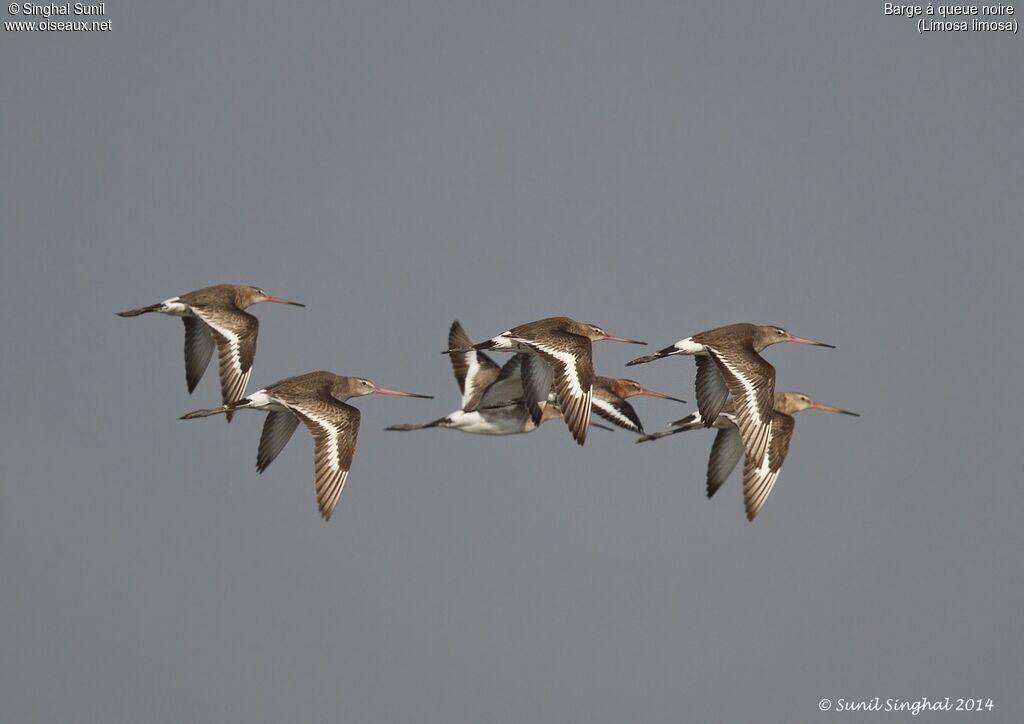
(550, 375)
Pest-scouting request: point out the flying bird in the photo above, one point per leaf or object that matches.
(729, 363)
(317, 399)
(492, 396)
(216, 316)
(609, 401)
(559, 356)
(759, 474)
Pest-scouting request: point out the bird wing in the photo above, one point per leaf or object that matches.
(198, 350)
(569, 356)
(508, 387)
(751, 381)
(334, 426)
(474, 371)
(760, 474)
(726, 451)
(235, 332)
(712, 392)
(277, 431)
(536, 376)
(618, 412)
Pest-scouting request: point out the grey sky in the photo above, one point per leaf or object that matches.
(652, 168)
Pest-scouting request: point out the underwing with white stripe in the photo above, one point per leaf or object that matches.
(620, 413)
(760, 475)
(334, 426)
(574, 379)
(235, 333)
(753, 398)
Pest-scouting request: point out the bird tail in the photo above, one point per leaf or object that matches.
(140, 310)
(410, 426)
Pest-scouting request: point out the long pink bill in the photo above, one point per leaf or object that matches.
(399, 393)
(801, 340)
(829, 408)
(279, 300)
(613, 338)
(661, 395)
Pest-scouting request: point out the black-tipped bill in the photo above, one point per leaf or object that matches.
(613, 338)
(279, 300)
(830, 408)
(801, 340)
(399, 393)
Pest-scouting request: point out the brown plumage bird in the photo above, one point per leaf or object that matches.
(609, 401)
(759, 475)
(317, 399)
(492, 396)
(729, 363)
(216, 316)
(559, 357)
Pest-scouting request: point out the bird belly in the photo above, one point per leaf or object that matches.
(500, 421)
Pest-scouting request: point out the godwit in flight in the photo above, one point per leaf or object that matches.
(559, 357)
(759, 475)
(317, 399)
(216, 315)
(492, 396)
(609, 401)
(728, 363)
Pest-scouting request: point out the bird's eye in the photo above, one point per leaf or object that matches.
(780, 332)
